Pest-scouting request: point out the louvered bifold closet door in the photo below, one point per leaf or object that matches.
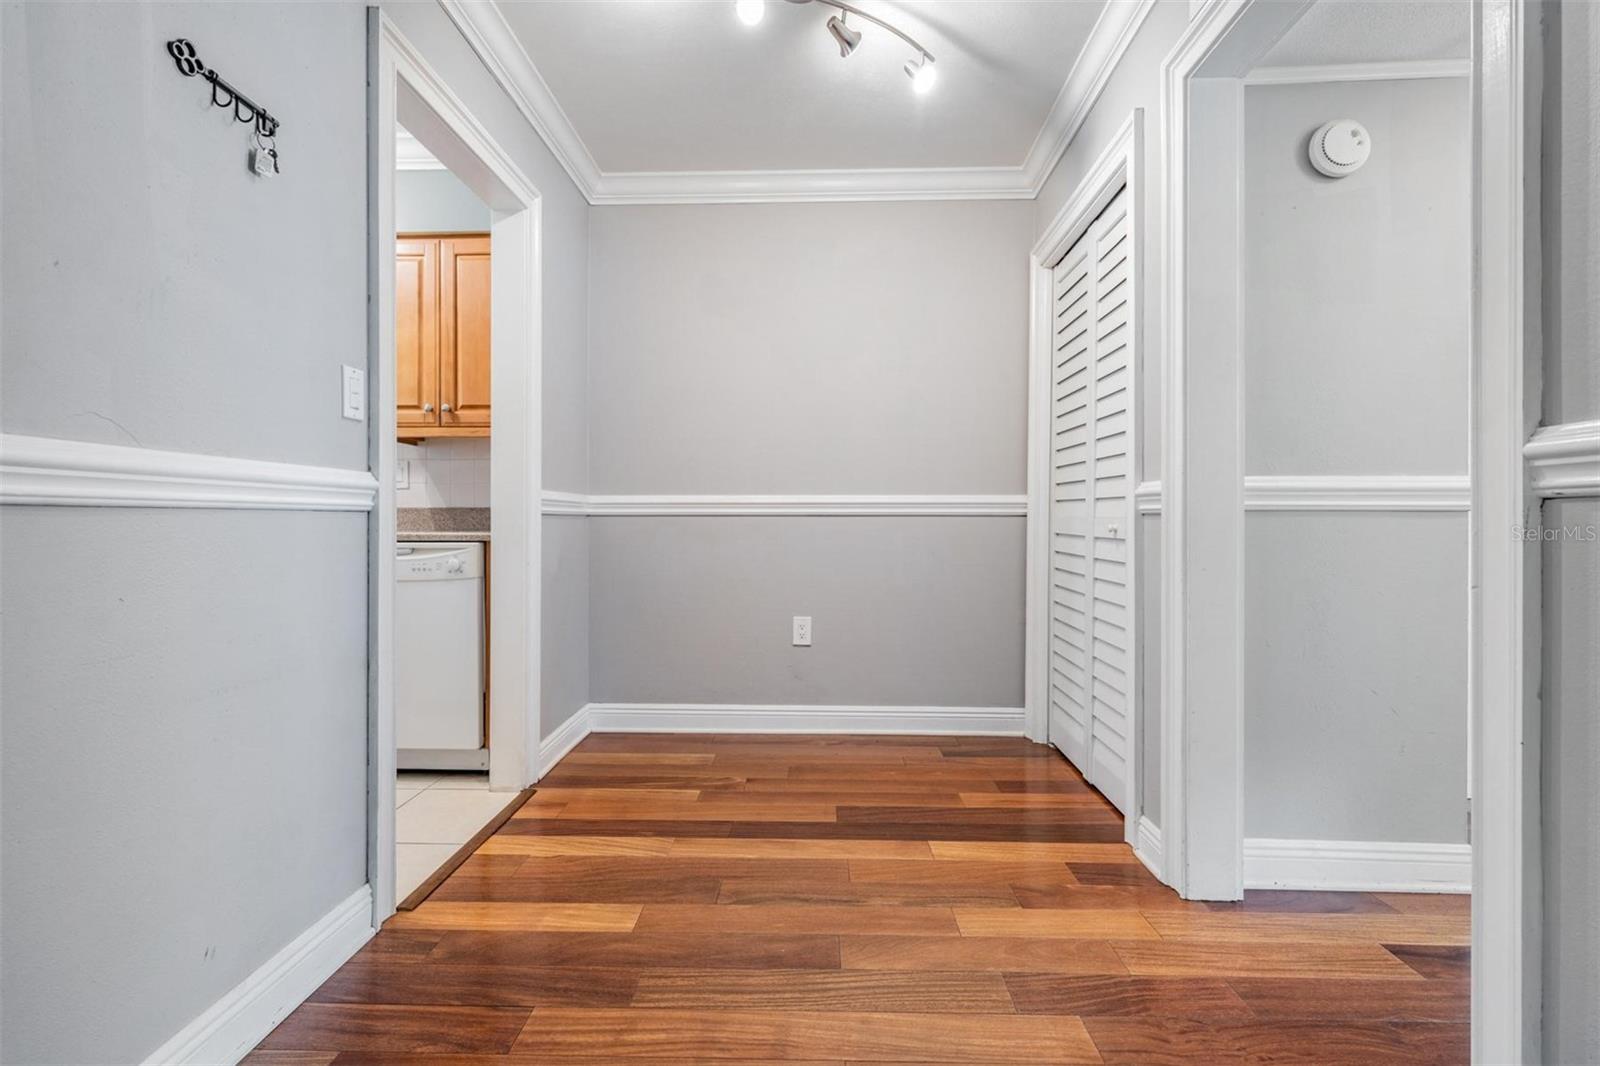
(1090, 642)
(1071, 484)
(1111, 644)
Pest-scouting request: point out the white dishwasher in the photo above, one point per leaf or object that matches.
(438, 638)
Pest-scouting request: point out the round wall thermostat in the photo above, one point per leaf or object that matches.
(1340, 147)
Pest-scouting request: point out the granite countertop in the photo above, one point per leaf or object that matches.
(413, 524)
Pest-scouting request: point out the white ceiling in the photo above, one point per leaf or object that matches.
(1338, 32)
(682, 85)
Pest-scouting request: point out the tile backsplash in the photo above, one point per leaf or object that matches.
(445, 473)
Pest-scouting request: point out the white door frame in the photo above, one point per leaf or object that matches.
(1201, 595)
(403, 85)
(1507, 912)
(1120, 164)
(1202, 723)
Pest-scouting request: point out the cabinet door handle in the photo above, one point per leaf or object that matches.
(445, 408)
(427, 408)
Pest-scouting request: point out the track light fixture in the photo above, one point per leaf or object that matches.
(919, 68)
(847, 38)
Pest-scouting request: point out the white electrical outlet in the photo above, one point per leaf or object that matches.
(802, 631)
(402, 473)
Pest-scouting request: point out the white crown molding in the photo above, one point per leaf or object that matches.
(812, 186)
(1399, 71)
(570, 503)
(1113, 32)
(491, 37)
(1357, 866)
(1564, 460)
(1402, 492)
(230, 1027)
(803, 718)
(43, 471)
(486, 30)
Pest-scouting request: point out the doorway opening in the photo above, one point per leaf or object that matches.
(454, 262)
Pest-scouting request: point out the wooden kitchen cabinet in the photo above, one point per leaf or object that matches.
(442, 336)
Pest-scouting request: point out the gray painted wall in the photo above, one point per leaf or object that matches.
(1355, 677)
(1571, 728)
(908, 611)
(1355, 318)
(159, 687)
(810, 348)
(184, 782)
(1356, 306)
(184, 787)
(435, 201)
(813, 348)
(1571, 624)
(565, 306)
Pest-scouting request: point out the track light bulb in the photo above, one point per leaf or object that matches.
(847, 38)
(750, 12)
(922, 74)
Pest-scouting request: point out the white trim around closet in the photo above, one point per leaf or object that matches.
(45, 471)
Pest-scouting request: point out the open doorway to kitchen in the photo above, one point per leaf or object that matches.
(456, 366)
(443, 554)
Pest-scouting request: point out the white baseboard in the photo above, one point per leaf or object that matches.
(1148, 846)
(230, 1027)
(803, 718)
(553, 748)
(1357, 866)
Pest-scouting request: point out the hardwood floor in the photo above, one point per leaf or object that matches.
(677, 899)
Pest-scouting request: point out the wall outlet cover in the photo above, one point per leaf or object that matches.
(802, 631)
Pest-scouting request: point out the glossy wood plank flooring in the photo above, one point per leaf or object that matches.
(676, 899)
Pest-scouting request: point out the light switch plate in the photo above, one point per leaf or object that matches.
(355, 393)
(802, 631)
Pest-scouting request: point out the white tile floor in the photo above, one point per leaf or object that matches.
(436, 813)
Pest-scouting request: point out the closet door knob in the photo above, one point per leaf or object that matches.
(427, 408)
(445, 408)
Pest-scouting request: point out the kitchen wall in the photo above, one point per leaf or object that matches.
(1356, 365)
(435, 201)
(565, 305)
(445, 473)
(808, 349)
(1571, 623)
(185, 710)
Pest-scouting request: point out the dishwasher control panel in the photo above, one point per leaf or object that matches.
(438, 562)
